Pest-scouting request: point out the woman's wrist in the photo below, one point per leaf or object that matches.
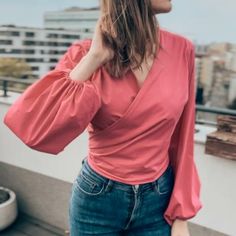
(86, 67)
(180, 227)
(180, 221)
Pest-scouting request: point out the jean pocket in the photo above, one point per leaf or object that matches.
(88, 185)
(165, 182)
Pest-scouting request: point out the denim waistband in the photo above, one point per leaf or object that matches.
(96, 176)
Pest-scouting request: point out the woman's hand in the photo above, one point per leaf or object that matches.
(180, 228)
(97, 49)
(95, 58)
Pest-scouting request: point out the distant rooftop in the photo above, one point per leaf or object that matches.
(81, 9)
(35, 28)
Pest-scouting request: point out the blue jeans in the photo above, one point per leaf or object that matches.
(100, 206)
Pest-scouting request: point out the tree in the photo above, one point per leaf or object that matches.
(13, 67)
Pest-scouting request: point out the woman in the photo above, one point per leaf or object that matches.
(132, 86)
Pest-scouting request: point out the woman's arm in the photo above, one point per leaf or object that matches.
(185, 199)
(55, 109)
(59, 106)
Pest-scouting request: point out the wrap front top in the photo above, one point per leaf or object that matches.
(133, 132)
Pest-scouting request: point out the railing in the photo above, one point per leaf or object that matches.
(199, 108)
(212, 110)
(5, 81)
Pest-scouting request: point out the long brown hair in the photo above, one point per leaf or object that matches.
(129, 28)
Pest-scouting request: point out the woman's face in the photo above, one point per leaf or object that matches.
(161, 6)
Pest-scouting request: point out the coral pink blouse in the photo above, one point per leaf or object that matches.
(133, 133)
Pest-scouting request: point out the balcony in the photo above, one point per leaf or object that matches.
(42, 182)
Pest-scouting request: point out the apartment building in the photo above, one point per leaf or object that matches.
(82, 20)
(39, 47)
(42, 47)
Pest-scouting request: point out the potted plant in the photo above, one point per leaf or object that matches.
(8, 207)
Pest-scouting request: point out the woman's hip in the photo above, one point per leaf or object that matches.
(98, 204)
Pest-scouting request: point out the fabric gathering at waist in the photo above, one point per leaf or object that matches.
(96, 176)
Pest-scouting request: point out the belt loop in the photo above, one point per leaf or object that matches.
(154, 184)
(108, 185)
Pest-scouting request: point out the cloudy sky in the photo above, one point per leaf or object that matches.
(202, 20)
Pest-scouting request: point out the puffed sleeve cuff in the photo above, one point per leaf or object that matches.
(184, 203)
(54, 110)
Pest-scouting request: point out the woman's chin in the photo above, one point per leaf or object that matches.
(165, 9)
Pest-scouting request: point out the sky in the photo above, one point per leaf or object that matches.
(204, 21)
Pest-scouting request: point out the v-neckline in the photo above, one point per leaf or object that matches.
(157, 55)
(146, 84)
